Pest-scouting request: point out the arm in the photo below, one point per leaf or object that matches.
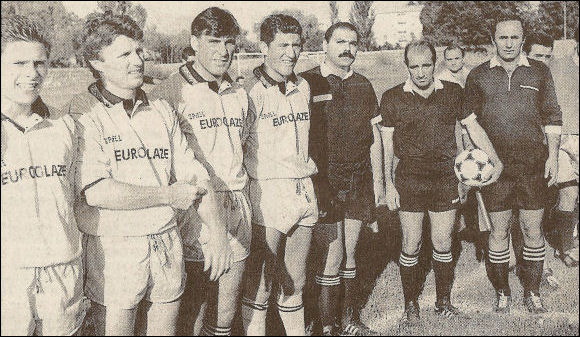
(552, 120)
(481, 140)
(114, 195)
(391, 194)
(377, 162)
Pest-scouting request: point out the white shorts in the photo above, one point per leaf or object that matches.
(283, 203)
(238, 215)
(46, 300)
(568, 159)
(121, 271)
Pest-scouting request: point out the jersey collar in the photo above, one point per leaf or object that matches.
(327, 69)
(192, 77)
(522, 62)
(268, 81)
(40, 112)
(109, 99)
(409, 86)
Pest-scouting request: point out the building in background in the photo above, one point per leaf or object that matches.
(397, 22)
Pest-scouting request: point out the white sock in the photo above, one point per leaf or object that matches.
(291, 311)
(254, 317)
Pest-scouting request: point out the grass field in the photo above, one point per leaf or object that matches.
(378, 270)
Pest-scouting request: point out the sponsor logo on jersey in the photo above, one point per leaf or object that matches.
(141, 153)
(268, 115)
(209, 123)
(112, 139)
(301, 116)
(34, 172)
(196, 115)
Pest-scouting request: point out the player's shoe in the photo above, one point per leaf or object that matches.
(445, 309)
(357, 329)
(411, 315)
(502, 303)
(330, 330)
(534, 304)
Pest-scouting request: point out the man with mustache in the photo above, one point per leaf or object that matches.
(214, 114)
(515, 101)
(128, 195)
(281, 192)
(344, 142)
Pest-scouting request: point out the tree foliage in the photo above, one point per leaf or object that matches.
(136, 12)
(362, 16)
(312, 35)
(333, 12)
(469, 22)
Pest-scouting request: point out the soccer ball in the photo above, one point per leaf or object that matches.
(473, 167)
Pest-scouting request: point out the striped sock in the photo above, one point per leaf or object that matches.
(328, 298)
(532, 268)
(444, 273)
(291, 310)
(254, 317)
(212, 330)
(347, 273)
(409, 276)
(497, 265)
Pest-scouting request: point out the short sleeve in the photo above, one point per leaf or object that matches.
(549, 109)
(386, 113)
(472, 97)
(92, 163)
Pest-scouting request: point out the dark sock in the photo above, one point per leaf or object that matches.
(444, 273)
(532, 268)
(350, 300)
(328, 298)
(497, 266)
(565, 221)
(409, 276)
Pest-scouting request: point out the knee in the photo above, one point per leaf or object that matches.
(333, 262)
(441, 243)
(411, 246)
(531, 232)
(567, 199)
(499, 234)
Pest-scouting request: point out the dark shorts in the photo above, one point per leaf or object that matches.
(346, 196)
(420, 193)
(526, 192)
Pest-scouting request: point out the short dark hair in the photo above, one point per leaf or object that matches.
(19, 28)
(338, 25)
(453, 46)
(279, 23)
(503, 18)
(187, 52)
(215, 22)
(537, 38)
(420, 44)
(101, 29)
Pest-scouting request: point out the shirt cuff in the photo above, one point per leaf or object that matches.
(387, 128)
(555, 129)
(468, 119)
(376, 119)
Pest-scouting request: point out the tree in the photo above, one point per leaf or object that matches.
(468, 22)
(136, 12)
(551, 18)
(333, 12)
(312, 35)
(245, 45)
(362, 16)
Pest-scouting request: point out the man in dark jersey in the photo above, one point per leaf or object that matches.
(515, 100)
(418, 126)
(344, 125)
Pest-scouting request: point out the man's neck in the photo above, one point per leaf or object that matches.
(120, 92)
(457, 72)
(201, 70)
(274, 74)
(336, 69)
(15, 110)
(511, 65)
(424, 92)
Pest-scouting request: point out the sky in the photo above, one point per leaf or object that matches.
(175, 16)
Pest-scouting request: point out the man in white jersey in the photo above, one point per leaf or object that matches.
(135, 170)
(42, 290)
(276, 156)
(213, 111)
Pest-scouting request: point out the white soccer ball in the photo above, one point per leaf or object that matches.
(473, 167)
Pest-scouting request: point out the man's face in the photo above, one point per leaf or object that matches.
(121, 63)
(283, 53)
(508, 39)
(454, 59)
(24, 66)
(541, 53)
(421, 67)
(342, 48)
(215, 54)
